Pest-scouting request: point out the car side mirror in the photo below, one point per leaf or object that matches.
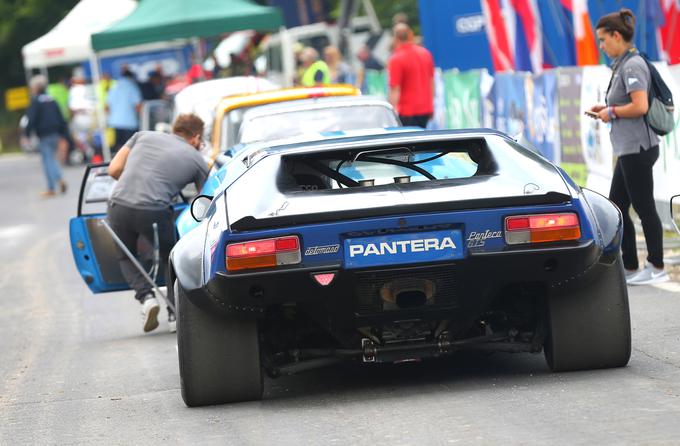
(200, 206)
(675, 212)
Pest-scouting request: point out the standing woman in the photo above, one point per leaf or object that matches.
(635, 144)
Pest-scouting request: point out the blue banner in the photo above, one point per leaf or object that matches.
(171, 61)
(454, 32)
(511, 103)
(542, 124)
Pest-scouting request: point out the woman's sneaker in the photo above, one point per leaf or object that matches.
(150, 309)
(649, 275)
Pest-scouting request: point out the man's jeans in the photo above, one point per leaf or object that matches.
(129, 224)
(48, 152)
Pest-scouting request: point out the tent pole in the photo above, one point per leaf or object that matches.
(101, 121)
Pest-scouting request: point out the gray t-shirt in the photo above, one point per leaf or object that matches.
(629, 134)
(158, 167)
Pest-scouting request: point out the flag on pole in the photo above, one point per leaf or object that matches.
(586, 47)
(670, 32)
(528, 36)
(497, 33)
(558, 33)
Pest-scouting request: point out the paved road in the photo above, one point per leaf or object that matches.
(76, 369)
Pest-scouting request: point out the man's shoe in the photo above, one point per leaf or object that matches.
(48, 194)
(172, 322)
(62, 186)
(150, 309)
(648, 276)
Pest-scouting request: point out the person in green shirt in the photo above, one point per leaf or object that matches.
(316, 71)
(59, 92)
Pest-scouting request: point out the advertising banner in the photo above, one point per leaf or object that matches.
(542, 124)
(462, 99)
(171, 61)
(487, 88)
(511, 103)
(595, 142)
(569, 111)
(376, 83)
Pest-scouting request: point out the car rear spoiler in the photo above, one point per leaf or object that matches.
(251, 223)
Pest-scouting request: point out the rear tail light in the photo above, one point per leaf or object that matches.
(540, 228)
(265, 253)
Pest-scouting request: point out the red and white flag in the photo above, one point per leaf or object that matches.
(528, 42)
(500, 42)
(670, 32)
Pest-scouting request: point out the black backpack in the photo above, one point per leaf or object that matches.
(660, 114)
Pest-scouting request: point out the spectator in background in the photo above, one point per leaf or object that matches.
(46, 120)
(399, 18)
(368, 62)
(103, 88)
(153, 88)
(196, 72)
(635, 144)
(82, 103)
(102, 91)
(316, 71)
(340, 71)
(124, 102)
(411, 79)
(60, 93)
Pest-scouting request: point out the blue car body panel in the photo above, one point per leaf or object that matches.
(325, 245)
(86, 259)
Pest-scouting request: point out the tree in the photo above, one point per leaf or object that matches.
(22, 21)
(386, 9)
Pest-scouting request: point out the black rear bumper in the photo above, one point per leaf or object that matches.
(462, 286)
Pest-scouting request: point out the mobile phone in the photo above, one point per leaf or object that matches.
(592, 114)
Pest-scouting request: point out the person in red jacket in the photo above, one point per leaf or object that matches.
(411, 79)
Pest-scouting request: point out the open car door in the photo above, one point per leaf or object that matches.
(94, 250)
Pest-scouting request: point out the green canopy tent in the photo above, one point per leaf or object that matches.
(162, 20)
(168, 20)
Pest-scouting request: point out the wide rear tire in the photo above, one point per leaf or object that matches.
(219, 356)
(589, 327)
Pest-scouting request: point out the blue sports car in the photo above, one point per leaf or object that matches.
(391, 248)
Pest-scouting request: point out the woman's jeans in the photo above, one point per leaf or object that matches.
(48, 151)
(633, 183)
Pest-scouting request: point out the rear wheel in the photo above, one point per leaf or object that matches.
(219, 356)
(590, 328)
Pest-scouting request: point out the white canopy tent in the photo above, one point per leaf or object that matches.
(69, 42)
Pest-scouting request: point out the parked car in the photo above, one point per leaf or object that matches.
(200, 98)
(230, 110)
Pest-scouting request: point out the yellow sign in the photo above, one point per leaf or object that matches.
(17, 98)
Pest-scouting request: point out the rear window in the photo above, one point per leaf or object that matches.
(385, 166)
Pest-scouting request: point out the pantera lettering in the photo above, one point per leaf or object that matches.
(476, 239)
(401, 247)
(316, 250)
